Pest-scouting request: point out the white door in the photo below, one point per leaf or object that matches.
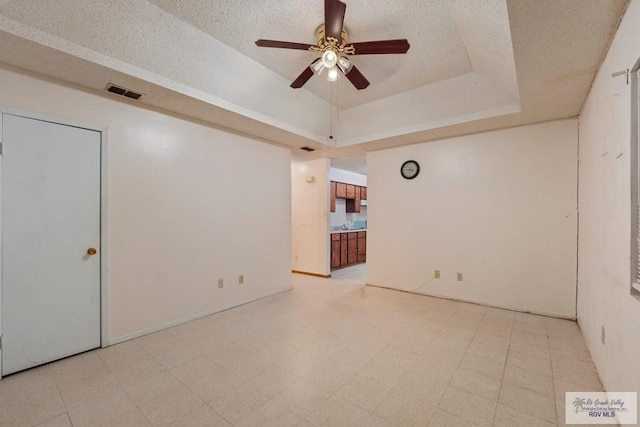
(50, 224)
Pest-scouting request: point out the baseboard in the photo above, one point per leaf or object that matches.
(324, 276)
(555, 316)
(138, 334)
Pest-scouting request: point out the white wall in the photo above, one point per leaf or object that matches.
(187, 204)
(604, 298)
(341, 217)
(310, 222)
(499, 207)
(340, 175)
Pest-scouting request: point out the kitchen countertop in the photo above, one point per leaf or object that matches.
(347, 231)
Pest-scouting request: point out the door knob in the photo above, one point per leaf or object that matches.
(92, 251)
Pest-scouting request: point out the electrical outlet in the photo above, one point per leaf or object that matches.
(220, 283)
(436, 274)
(241, 279)
(459, 277)
(602, 335)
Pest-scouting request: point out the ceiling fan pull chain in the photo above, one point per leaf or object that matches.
(331, 112)
(337, 102)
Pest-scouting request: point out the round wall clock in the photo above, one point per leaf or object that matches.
(410, 169)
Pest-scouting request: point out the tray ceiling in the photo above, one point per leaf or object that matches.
(472, 65)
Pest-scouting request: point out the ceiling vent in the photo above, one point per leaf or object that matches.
(305, 148)
(122, 91)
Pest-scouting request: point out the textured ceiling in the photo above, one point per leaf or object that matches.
(473, 65)
(437, 51)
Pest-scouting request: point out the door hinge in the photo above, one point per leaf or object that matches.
(0, 342)
(0, 148)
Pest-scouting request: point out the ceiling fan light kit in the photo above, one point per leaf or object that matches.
(332, 40)
(317, 66)
(344, 64)
(332, 74)
(329, 58)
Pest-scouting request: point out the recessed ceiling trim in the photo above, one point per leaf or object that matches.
(553, 51)
(274, 105)
(458, 100)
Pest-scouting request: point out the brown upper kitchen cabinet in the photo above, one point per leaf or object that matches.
(332, 191)
(341, 190)
(353, 205)
(351, 191)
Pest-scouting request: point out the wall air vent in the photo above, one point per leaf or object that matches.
(305, 148)
(122, 91)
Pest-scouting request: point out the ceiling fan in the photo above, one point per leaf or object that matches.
(333, 43)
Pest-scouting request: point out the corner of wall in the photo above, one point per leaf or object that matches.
(310, 216)
(608, 315)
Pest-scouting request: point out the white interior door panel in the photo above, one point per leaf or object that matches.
(50, 219)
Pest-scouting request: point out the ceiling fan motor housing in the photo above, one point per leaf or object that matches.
(324, 41)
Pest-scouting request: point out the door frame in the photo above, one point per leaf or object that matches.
(104, 270)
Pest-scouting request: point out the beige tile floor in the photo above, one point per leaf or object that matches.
(332, 352)
(357, 273)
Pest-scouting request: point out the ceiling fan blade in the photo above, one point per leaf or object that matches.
(357, 78)
(283, 45)
(380, 47)
(334, 18)
(302, 78)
